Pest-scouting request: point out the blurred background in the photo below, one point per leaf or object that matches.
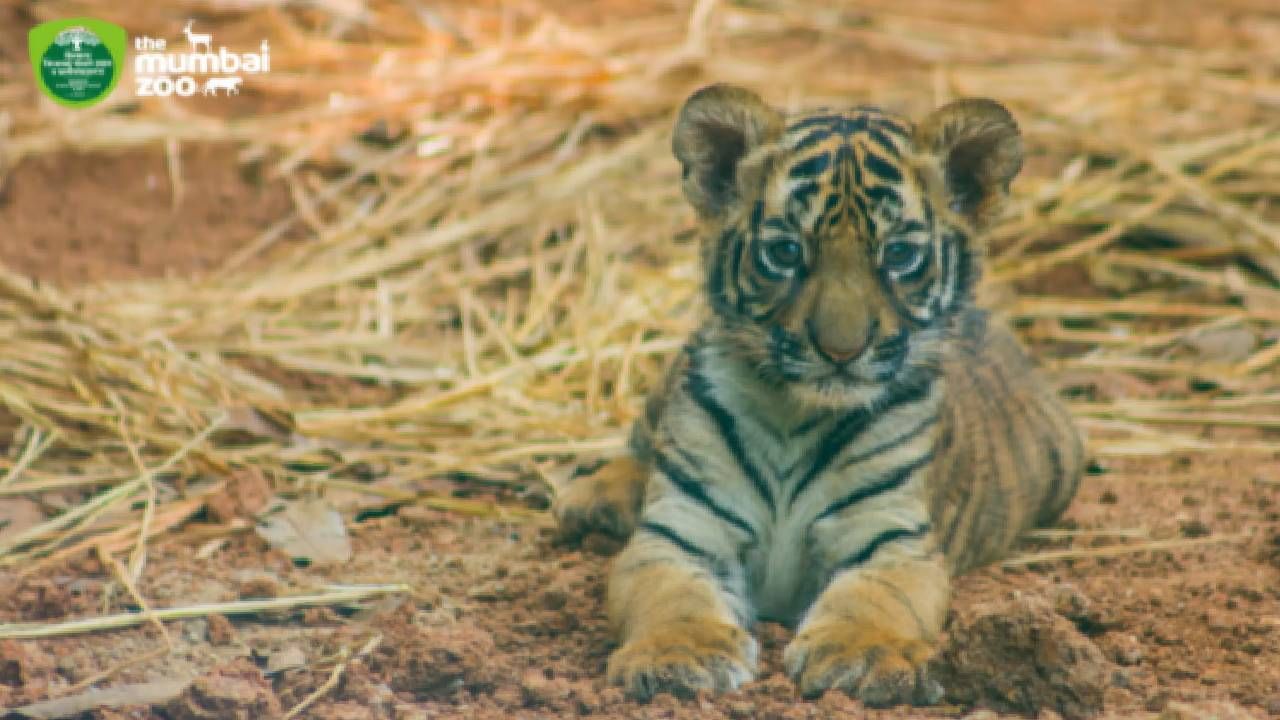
(428, 264)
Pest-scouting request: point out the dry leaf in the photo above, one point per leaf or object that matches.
(308, 529)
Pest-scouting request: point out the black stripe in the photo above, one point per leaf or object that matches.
(716, 285)
(802, 193)
(776, 223)
(812, 138)
(1001, 393)
(811, 167)
(685, 545)
(695, 490)
(890, 482)
(700, 390)
(882, 141)
(908, 227)
(884, 538)
(849, 125)
(881, 168)
(1056, 476)
(735, 271)
(945, 441)
(848, 428)
(966, 273)
(881, 194)
(893, 444)
(810, 423)
(864, 212)
(846, 162)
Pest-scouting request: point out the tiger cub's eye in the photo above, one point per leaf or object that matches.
(785, 254)
(902, 257)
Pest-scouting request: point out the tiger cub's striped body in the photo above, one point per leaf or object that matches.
(846, 431)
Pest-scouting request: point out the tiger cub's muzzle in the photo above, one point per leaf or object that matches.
(813, 358)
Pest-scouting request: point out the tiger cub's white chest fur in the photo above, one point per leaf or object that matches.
(784, 441)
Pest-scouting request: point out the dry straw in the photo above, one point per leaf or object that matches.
(497, 260)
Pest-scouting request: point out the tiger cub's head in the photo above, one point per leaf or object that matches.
(840, 246)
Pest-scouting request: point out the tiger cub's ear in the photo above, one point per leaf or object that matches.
(718, 126)
(978, 149)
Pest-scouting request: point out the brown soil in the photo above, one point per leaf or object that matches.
(91, 218)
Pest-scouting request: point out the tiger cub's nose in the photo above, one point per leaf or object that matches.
(841, 347)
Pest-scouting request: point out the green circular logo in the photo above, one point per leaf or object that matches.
(77, 66)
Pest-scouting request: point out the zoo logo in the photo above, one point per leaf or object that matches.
(161, 73)
(77, 62)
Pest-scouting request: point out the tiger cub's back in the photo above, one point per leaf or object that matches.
(1009, 457)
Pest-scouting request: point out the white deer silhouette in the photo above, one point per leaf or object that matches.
(213, 85)
(197, 39)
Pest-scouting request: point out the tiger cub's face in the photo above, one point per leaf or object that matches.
(839, 246)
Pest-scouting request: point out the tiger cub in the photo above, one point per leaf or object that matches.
(846, 431)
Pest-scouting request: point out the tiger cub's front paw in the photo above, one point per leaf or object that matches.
(879, 667)
(606, 501)
(683, 658)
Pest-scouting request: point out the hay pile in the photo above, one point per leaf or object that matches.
(498, 254)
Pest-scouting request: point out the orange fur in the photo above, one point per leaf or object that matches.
(606, 501)
(680, 636)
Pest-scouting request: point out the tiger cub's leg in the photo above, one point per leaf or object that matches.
(606, 501)
(873, 629)
(677, 600)
(679, 633)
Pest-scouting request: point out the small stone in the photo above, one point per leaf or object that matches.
(290, 658)
(219, 630)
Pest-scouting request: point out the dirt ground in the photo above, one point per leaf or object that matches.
(502, 623)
